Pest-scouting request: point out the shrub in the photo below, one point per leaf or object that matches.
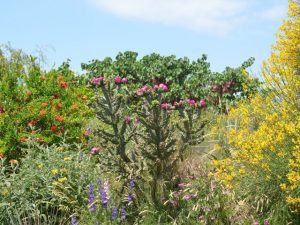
(38, 104)
(264, 164)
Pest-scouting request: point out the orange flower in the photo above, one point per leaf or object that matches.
(59, 105)
(44, 104)
(32, 123)
(84, 97)
(53, 127)
(64, 84)
(23, 140)
(43, 112)
(13, 161)
(74, 107)
(59, 77)
(44, 78)
(59, 118)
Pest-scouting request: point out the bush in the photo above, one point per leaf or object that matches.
(39, 104)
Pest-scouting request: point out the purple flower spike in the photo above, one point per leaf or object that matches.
(114, 213)
(130, 197)
(104, 195)
(131, 183)
(123, 213)
(91, 198)
(74, 220)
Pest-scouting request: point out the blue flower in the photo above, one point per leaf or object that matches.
(130, 197)
(91, 198)
(74, 220)
(131, 183)
(114, 212)
(123, 213)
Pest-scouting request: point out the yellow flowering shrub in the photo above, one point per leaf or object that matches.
(265, 142)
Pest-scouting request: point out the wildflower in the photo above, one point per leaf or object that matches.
(127, 119)
(118, 80)
(104, 195)
(89, 131)
(131, 183)
(84, 97)
(202, 103)
(139, 93)
(53, 127)
(59, 105)
(91, 199)
(67, 159)
(54, 171)
(44, 78)
(59, 118)
(114, 212)
(255, 223)
(59, 77)
(63, 179)
(130, 197)
(64, 84)
(94, 151)
(23, 140)
(43, 112)
(123, 213)
(1, 155)
(180, 103)
(32, 123)
(74, 220)
(266, 222)
(13, 161)
(125, 80)
(174, 203)
(55, 183)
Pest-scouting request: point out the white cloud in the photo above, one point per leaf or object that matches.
(214, 16)
(277, 12)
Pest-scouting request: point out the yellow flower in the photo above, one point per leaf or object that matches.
(63, 179)
(67, 159)
(40, 166)
(13, 161)
(54, 171)
(55, 183)
(63, 170)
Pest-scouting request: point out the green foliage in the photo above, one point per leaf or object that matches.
(46, 186)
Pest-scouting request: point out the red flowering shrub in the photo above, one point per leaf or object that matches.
(37, 104)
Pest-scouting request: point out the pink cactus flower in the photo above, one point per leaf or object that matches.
(144, 89)
(191, 102)
(98, 80)
(203, 103)
(118, 80)
(127, 119)
(125, 80)
(94, 151)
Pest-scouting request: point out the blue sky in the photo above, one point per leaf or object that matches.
(228, 31)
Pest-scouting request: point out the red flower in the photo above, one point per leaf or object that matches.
(59, 105)
(64, 84)
(23, 140)
(32, 123)
(43, 112)
(53, 128)
(59, 118)
(74, 107)
(1, 155)
(59, 77)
